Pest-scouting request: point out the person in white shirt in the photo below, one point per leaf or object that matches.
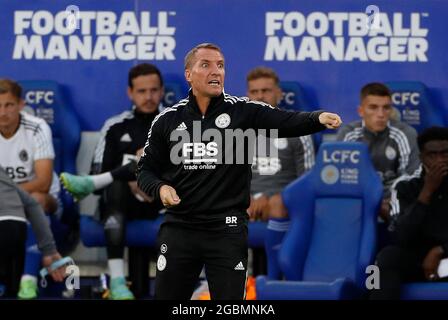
(27, 155)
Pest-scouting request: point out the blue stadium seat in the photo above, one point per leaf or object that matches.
(294, 99)
(139, 233)
(175, 89)
(332, 236)
(425, 291)
(257, 232)
(46, 100)
(413, 100)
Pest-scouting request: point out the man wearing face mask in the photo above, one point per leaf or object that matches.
(420, 220)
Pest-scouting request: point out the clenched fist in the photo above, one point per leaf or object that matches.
(168, 196)
(330, 120)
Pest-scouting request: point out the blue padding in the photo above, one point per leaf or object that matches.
(138, 232)
(144, 232)
(413, 100)
(343, 172)
(175, 89)
(338, 289)
(293, 97)
(321, 264)
(257, 233)
(332, 235)
(425, 291)
(47, 101)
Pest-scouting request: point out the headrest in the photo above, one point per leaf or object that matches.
(342, 168)
(45, 100)
(175, 89)
(293, 97)
(414, 103)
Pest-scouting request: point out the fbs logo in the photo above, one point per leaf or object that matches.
(199, 149)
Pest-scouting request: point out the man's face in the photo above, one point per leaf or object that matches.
(206, 73)
(146, 93)
(265, 90)
(434, 152)
(10, 108)
(376, 112)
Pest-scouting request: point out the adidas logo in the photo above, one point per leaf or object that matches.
(126, 138)
(182, 126)
(239, 266)
(111, 223)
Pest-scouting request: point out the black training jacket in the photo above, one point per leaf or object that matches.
(419, 226)
(209, 190)
(121, 136)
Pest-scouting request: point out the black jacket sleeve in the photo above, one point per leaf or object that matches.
(290, 124)
(153, 161)
(110, 152)
(411, 215)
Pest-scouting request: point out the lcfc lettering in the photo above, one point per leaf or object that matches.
(341, 156)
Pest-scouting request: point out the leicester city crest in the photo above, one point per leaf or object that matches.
(23, 155)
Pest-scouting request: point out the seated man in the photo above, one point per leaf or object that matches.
(392, 144)
(122, 136)
(17, 208)
(28, 160)
(271, 173)
(419, 216)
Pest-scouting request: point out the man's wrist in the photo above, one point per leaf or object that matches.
(424, 197)
(439, 251)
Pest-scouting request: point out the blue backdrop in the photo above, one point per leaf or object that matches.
(326, 46)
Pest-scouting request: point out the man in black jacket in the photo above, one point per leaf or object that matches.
(419, 216)
(116, 155)
(192, 166)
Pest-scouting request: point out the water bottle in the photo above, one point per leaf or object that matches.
(103, 281)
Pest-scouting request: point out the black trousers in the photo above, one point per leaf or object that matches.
(125, 173)
(12, 254)
(183, 252)
(119, 205)
(397, 265)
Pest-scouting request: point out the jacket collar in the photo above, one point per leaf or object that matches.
(212, 107)
(367, 132)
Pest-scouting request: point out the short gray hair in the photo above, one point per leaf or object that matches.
(188, 61)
